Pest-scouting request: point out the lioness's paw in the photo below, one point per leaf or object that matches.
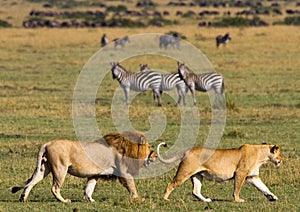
(67, 201)
(207, 200)
(88, 199)
(240, 200)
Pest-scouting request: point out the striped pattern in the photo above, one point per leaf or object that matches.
(141, 81)
(172, 40)
(201, 82)
(169, 82)
(121, 41)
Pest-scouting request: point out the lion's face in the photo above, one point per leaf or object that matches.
(151, 156)
(134, 147)
(275, 156)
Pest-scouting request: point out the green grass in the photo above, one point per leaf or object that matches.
(39, 69)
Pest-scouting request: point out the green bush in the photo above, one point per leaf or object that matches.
(124, 22)
(119, 8)
(4, 24)
(292, 20)
(84, 16)
(156, 20)
(229, 21)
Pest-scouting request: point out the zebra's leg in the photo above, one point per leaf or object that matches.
(192, 88)
(126, 91)
(179, 99)
(183, 94)
(180, 94)
(183, 98)
(157, 92)
(154, 95)
(219, 101)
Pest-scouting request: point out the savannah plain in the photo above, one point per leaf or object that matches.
(38, 72)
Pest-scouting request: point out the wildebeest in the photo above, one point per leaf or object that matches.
(222, 39)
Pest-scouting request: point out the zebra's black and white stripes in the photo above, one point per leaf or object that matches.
(169, 40)
(121, 41)
(170, 81)
(141, 81)
(201, 82)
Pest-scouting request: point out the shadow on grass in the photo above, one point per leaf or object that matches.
(38, 201)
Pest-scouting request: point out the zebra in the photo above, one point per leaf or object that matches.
(168, 82)
(222, 39)
(166, 40)
(121, 41)
(137, 81)
(201, 82)
(104, 40)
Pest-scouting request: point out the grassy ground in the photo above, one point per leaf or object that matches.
(38, 72)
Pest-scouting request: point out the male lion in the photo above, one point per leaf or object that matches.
(116, 154)
(239, 164)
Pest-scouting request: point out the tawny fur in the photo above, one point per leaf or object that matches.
(116, 154)
(220, 165)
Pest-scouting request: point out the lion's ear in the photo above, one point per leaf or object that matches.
(274, 149)
(143, 140)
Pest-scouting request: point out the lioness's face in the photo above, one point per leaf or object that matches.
(275, 156)
(151, 156)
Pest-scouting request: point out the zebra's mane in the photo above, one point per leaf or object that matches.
(124, 69)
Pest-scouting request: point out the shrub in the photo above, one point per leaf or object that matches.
(240, 22)
(119, 8)
(292, 20)
(156, 20)
(229, 21)
(123, 22)
(4, 24)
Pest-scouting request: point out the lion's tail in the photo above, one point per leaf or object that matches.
(38, 171)
(170, 160)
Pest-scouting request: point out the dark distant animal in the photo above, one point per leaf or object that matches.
(168, 82)
(223, 39)
(141, 81)
(172, 40)
(104, 40)
(201, 82)
(121, 41)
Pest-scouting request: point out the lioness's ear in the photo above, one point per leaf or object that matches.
(274, 149)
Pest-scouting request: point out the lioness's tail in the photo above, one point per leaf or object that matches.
(37, 171)
(170, 160)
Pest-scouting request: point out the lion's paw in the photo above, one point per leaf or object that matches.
(271, 197)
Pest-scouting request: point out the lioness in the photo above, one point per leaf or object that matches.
(239, 164)
(116, 154)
